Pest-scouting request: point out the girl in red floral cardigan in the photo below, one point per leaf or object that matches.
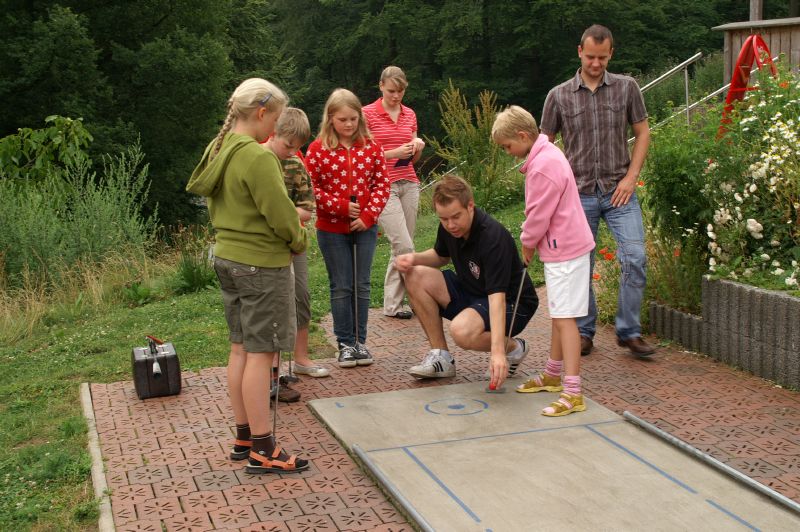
(351, 186)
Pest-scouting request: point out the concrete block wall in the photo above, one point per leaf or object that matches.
(750, 328)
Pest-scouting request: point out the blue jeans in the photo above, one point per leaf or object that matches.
(337, 250)
(625, 223)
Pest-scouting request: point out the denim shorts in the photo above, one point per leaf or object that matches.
(259, 305)
(461, 299)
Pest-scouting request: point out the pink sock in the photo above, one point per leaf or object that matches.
(572, 384)
(553, 367)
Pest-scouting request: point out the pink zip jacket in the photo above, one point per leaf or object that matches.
(554, 220)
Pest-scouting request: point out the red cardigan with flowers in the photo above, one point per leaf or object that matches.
(339, 173)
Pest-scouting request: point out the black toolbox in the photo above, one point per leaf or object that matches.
(156, 370)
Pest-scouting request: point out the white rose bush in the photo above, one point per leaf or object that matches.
(754, 186)
(728, 199)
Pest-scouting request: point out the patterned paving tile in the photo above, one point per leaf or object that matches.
(277, 509)
(188, 522)
(233, 517)
(175, 449)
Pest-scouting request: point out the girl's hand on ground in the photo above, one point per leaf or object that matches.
(357, 226)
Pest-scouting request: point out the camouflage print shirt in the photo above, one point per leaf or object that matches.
(298, 183)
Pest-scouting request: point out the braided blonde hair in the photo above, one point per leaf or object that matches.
(249, 95)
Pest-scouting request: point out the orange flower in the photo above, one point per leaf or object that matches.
(595, 276)
(640, 183)
(608, 256)
(676, 252)
(603, 251)
(783, 84)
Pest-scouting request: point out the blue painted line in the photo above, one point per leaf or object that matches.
(497, 435)
(442, 485)
(733, 515)
(642, 460)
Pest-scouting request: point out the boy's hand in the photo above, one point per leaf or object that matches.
(403, 263)
(498, 370)
(528, 254)
(354, 210)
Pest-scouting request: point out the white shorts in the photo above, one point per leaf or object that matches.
(568, 287)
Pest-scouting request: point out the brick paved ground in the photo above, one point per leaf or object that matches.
(167, 463)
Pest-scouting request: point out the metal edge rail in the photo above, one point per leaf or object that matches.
(392, 489)
(713, 462)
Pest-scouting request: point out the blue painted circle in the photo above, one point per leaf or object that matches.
(456, 406)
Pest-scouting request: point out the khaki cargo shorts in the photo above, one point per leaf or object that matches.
(259, 305)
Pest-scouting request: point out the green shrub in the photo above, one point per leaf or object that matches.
(36, 153)
(73, 215)
(195, 271)
(754, 184)
(733, 201)
(469, 151)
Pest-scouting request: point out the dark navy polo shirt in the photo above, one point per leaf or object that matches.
(487, 262)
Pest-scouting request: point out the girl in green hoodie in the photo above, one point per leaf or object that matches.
(257, 231)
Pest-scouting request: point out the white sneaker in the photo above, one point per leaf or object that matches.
(516, 356)
(435, 365)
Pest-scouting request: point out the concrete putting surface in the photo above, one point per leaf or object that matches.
(463, 459)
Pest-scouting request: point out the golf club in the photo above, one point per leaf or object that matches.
(355, 280)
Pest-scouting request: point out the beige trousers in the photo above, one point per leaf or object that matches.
(398, 221)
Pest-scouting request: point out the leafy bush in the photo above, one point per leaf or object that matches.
(754, 184)
(469, 151)
(732, 200)
(72, 214)
(36, 153)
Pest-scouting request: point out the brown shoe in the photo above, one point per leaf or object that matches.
(586, 345)
(638, 347)
(286, 394)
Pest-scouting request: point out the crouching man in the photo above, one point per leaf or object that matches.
(478, 297)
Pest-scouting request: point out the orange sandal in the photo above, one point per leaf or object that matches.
(261, 464)
(242, 454)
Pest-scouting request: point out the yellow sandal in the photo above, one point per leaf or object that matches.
(566, 404)
(541, 383)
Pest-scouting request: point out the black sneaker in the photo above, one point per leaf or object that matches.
(347, 356)
(363, 356)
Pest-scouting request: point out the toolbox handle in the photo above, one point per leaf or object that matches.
(154, 342)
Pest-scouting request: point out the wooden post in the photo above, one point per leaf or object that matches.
(756, 9)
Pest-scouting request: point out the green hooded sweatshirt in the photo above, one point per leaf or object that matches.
(255, 221)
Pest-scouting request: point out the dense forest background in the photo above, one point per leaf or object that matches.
(160, 71)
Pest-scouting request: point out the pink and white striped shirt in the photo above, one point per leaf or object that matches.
(391, 134)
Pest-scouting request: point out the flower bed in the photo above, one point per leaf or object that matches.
(747, 327)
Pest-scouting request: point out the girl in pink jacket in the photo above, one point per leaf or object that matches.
(556, 226)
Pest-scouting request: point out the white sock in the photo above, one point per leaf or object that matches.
(445, 354)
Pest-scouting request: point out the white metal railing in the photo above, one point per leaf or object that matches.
(684, 66)
(704, 99)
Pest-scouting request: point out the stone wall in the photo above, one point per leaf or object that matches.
(750, 328)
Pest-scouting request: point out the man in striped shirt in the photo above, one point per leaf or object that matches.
(593, 111)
